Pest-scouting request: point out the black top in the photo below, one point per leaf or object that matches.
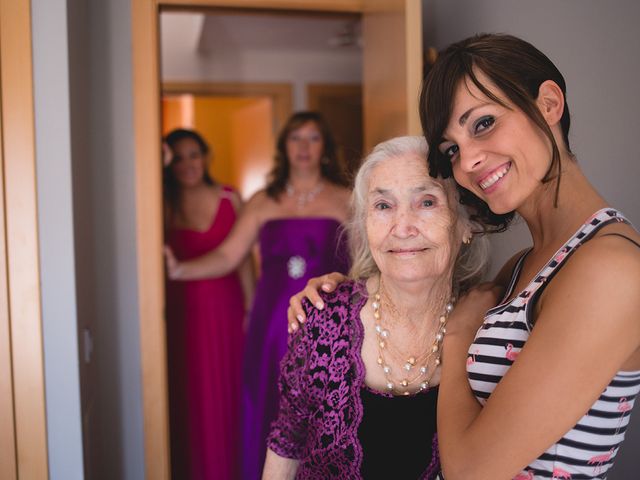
(397, 435)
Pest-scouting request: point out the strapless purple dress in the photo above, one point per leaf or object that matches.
(292, 250)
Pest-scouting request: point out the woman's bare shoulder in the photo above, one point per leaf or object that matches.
(340, 199)
(343, 193)
(604, 271)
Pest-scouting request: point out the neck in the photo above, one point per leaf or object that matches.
(304, 180)
(186, 192)
(417, 300)
(551, 224)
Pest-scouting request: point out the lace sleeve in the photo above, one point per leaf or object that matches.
(288, 435)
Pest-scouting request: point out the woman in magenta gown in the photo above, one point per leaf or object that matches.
(204, 320)
(296, 220)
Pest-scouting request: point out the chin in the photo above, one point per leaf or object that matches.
(499, 206)
(500, 210)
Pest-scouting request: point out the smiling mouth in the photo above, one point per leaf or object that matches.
(493, 178)
(409, 250)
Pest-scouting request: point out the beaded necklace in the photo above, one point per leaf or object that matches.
(416, 369)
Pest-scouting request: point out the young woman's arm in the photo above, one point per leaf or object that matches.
(586, 329)
(246, 271)
(228, 256)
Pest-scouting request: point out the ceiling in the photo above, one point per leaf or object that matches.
(270, 31)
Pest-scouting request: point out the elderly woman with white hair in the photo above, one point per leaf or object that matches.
(360, 380)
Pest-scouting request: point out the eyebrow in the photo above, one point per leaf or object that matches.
(465, 116)
(427, 187)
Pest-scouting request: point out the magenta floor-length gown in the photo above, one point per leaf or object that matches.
(292, 250)
(204, 343)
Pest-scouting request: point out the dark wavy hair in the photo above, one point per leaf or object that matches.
(518, 69)
(330, 167)
(170, 183)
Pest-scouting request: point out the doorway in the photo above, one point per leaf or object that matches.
(225, 74)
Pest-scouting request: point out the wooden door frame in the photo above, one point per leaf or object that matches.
(281, 94)
(148, 184)
(22, 387)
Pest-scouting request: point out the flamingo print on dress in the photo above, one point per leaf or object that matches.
(599, 460)
(527, 475)
(623, 407)
(471, 359)
(511, 354)
(561, 474)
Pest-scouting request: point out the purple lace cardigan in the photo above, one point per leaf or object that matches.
(320, 380)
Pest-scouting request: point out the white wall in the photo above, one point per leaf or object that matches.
(595, 45)
(181, 61)
(55, 224)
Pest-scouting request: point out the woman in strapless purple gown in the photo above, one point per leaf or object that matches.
(296, 220)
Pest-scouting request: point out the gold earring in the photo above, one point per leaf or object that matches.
(467, 240)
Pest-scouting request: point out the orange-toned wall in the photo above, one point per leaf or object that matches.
(238, 130)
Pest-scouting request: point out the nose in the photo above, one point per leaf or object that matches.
(471, 157)
(405, 224)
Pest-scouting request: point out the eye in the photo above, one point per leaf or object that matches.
(449, 150)
(484, 123)
(382, 206)
(428, 202)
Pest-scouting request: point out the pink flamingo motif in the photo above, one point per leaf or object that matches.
(471, 359)
(623, 405)
(599, 460)
(528, 475)
(560, 473)
(511, 355)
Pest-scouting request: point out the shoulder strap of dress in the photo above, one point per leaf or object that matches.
(226, 193)
(515, 274)
(594, 223)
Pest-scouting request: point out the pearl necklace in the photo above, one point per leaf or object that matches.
(304, 198)
(424, 372)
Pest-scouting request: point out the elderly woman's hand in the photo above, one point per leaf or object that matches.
(173, 265)
(470, 310)
(295, 312)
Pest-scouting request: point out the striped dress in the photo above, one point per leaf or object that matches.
(588, 450)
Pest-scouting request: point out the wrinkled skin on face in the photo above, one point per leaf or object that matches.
(412, 222)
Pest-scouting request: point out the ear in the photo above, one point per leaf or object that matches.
(550, 101)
